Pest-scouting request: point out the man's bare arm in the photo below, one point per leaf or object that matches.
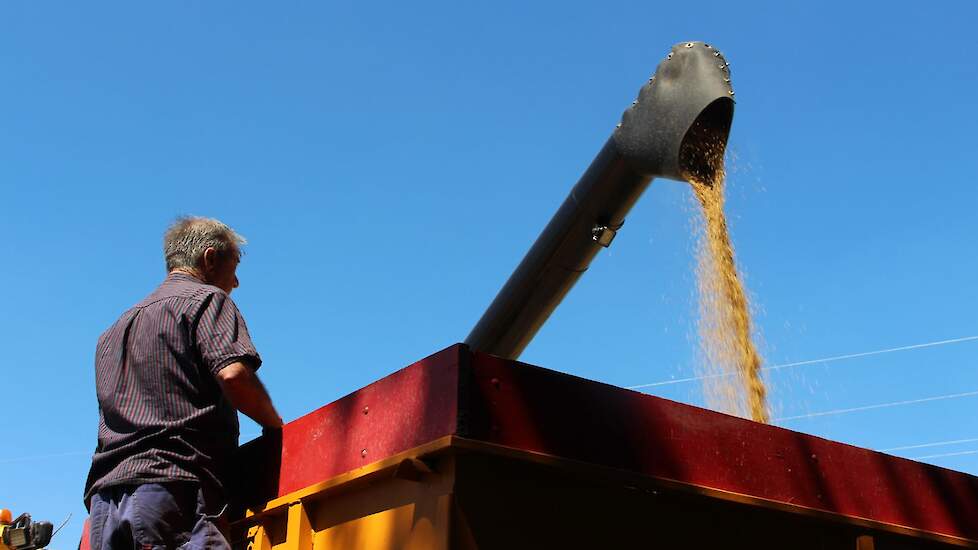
(246, 392)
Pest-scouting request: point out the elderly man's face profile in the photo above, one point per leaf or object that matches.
(220, 270)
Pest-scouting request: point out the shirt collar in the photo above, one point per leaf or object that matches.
(181, 276)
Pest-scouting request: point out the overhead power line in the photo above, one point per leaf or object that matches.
(935, 444)
(960, 453)
(42, 457)
(782, 419)
(811, 361)
(877, 406)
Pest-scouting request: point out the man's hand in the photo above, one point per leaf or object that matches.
(245, 391)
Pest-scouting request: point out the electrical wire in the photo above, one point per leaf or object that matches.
(959, 453)
(811, 361)
(877, 406)
(923, 445)
(41, 457)
(782, 419)
(63, 523)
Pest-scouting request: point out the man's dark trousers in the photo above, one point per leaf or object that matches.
(154, 515)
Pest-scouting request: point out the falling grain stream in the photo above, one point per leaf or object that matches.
(730, 359)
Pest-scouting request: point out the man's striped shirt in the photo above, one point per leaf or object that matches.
(162, 414)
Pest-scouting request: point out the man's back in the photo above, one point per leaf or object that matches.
(163, 416)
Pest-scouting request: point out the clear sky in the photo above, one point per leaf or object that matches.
(391, 162)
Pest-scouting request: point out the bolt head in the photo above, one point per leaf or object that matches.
(363, 453)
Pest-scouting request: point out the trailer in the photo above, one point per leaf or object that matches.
(465, 450)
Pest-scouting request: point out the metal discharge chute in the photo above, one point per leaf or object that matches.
(684, 110)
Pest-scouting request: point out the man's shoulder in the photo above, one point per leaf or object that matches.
(180, 295)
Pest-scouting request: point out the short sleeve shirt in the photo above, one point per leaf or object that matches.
(162, 414)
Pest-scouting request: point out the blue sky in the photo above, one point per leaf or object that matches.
(390, 163)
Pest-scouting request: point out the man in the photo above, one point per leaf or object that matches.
(169, 375)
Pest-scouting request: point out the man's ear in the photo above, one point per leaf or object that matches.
(210, 260)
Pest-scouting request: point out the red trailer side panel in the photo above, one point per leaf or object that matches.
(544, 411)
(408, 408)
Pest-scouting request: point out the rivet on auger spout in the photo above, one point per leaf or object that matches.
(682, 115)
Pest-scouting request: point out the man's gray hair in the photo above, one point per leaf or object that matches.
(186, 240)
